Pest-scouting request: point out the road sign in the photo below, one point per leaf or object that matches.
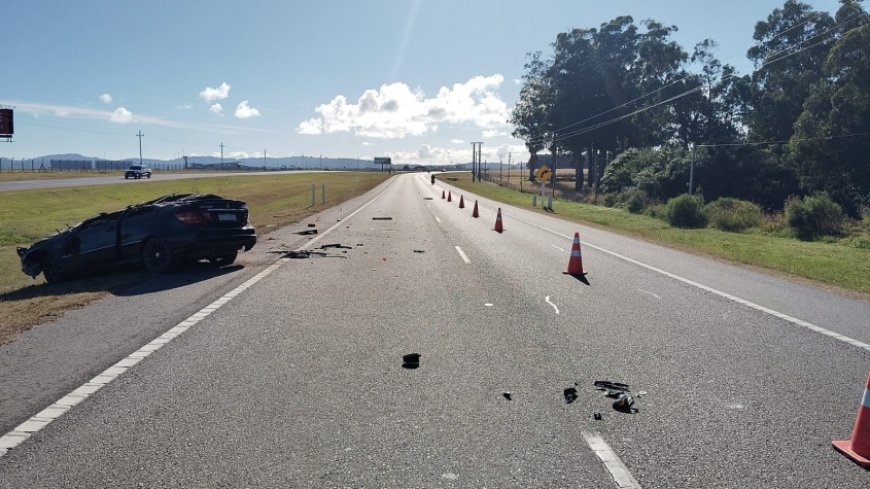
(543, 173)
(541, 170)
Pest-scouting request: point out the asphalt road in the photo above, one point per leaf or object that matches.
(291, 374)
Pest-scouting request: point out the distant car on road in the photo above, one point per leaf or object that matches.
(159, 234)
(137, 171)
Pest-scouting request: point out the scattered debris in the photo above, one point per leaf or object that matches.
(359, 244)
(570, 395)
(624, 403)
(419, 251)
(306, 232)
(610, 385)
(596, 416)
(507, 395)
(382, 219)
(312, 225)
(427, 198)
(335, 245)
(411, 360)
(619, 391)
(299, 254)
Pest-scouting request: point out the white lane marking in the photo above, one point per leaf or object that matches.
(43, 418)
(547, 300)
(558, 248)
(488, 304)
(757, 307)
(439, 220)
(620, 474)
(462, 254)
(649, 293)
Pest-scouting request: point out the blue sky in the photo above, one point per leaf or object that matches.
(417, 80)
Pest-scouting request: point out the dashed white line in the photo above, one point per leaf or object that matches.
(462, 254)
(547, 300)
(611, 461)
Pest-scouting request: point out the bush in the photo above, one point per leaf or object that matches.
(729, 214)
(686, 211)
(813, 216)
(635, 200)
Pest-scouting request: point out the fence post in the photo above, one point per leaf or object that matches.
(313, 189)
(323, 194)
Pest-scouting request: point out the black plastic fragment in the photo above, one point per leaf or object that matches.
(507, 395)
(570, 395)
(307, 232)
(382, 219)
(411, 360)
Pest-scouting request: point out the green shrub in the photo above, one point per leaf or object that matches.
(686, 211)
(729, 214)
(635, 200)
(813, 216)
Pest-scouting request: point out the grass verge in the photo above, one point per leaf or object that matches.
(29, 215)
(832, 264)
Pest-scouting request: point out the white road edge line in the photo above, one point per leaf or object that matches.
(620, 474)
(757, 307)
(43, 418)
(547, 300)
(462, 254)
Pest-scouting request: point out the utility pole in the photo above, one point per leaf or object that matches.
(473, 158)
(264, 158)
(692, 168)
(140, 135)
(321, 162)
(476, 157)
(222, 154)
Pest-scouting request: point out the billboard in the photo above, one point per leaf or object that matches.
(6, 127)
(383, 161)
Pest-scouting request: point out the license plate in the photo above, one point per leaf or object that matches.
(226, 217)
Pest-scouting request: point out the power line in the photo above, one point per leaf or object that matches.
(784, 141)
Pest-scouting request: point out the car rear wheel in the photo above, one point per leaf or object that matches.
(222, 260)
(157, 256)
(51, 269)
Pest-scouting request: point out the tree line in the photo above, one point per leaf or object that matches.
(799, 124)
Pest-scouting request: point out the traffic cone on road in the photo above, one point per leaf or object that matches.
(474, 212)
(858, 448)
(442, 195)
(498, 225)
(575, 263)
(449, 197)
(461, 202)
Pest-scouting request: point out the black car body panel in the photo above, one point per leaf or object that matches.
(194, 226)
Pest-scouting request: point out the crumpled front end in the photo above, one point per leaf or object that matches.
(29, 266)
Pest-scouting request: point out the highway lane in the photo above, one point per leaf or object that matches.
(297, 381)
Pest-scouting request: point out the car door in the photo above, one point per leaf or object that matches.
(92, 244)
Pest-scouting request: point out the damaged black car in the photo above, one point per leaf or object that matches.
(158, 234)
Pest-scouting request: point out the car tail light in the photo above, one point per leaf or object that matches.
(189, 217)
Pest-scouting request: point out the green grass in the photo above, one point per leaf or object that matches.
(273, 201)
(830, 263)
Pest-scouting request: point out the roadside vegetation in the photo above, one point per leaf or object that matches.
(730, 229)
(29, 215)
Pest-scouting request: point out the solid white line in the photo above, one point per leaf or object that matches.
(620, 474)
(547, 300)
(757, 307)
(462, 254)
(43, 418)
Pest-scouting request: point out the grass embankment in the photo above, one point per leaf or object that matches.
(828, 263)
(29, 215)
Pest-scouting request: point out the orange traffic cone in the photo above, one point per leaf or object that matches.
(461, 202)
(442, 195)
(474, 212)
(498, 225)
(575, 263)
(858, 448)
(449, 199)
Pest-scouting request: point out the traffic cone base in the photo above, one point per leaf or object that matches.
(474, 213)
(575, 263)
(461, 202)
(858, 447)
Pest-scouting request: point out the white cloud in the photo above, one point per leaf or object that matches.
(216, 108)
(245, 111)
(366, 143)
(395, 111)
(239, 155)
(210, 94)
(427, 154)
(457, 141)
(106, 98)
(121, 116)
(491, 133)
